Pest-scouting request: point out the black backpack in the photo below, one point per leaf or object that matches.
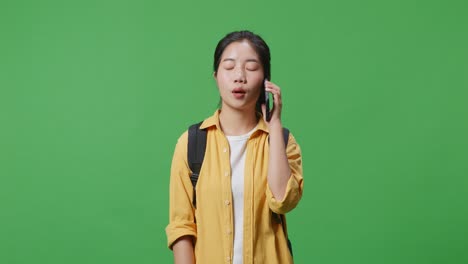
(196, 153)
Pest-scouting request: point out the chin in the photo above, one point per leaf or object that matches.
(242, 107)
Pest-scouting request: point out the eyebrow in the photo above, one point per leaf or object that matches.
(248, 60)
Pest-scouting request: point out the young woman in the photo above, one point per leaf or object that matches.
(249, 178)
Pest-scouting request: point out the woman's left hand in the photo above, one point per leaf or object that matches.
(277, 103)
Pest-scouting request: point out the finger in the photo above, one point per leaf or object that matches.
(274, 91)
(277, 102)
(272, 86)
(276, 94)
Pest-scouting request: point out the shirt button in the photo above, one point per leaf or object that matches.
(226, 173)
(228, 259)
(227, 202)
(225, 150)
(229, 231)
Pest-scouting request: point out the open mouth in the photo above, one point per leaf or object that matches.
(238, 93)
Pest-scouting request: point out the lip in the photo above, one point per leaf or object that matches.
(238, 93)
(238, 90)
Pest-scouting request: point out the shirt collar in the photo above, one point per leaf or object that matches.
(211, 121)
(214, 121)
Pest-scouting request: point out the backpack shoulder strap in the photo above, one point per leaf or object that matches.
(195, 154)
(285, 136)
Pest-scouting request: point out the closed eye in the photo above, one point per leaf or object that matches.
(229, 65)
(252, 66)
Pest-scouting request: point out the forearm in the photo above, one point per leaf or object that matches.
(279, 171)
(183, 251)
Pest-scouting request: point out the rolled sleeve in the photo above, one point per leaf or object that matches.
(181, 212)
(178, 229)
(294, 187)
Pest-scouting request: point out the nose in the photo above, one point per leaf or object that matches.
(240, 76)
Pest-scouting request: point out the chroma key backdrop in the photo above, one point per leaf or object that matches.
(94, 94)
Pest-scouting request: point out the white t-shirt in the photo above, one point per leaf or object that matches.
(237, 146)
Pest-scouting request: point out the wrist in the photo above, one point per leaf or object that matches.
(275, 125)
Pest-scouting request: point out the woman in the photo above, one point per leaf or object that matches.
(249, 175)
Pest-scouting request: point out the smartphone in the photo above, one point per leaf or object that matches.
(268, 103)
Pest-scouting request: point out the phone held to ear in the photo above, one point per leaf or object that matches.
(268, 103)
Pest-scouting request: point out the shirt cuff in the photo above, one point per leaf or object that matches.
(177, 230)
(291, 197)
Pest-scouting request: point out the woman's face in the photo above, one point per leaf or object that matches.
(239, 76)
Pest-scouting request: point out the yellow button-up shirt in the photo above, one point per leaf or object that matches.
(211, 223)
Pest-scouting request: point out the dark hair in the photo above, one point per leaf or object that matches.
(259, 46)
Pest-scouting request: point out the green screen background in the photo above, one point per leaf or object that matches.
(94, 94)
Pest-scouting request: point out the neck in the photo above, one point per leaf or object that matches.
(236, 122)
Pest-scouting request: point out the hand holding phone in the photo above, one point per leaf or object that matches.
(268, 102)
